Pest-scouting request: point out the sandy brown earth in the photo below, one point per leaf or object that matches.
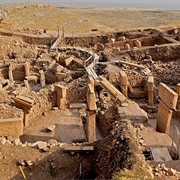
(55, 164)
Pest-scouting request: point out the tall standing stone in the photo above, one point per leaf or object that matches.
(42, 79)
(10, 73)
(26, 66)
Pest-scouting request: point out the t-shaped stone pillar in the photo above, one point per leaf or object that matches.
(61, 96)
(168, 103)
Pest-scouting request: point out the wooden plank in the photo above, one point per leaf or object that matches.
(78, 148)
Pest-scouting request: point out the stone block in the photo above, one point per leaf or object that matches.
(68, 61)
(123, 79)
(91, 126)
(42, 79)
(91, 99)
(150, 85)
(160, 154)
(164, 116)
(127, 47)
(61, 90)
(26, 66)
(178, 92)
(11, 127)
(78, 105)
(90, 80)
(137, 43)
(59, 68)
(61, 96)
(168, 96)
(31, 78)
(60, 76)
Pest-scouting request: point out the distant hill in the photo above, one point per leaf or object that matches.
(43, 16)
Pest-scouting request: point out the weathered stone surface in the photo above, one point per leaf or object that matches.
(11, 127)
(91, 126)
(127, 47)
(78, 105)
(52, 142)
(168, 96)
(3, 140)
(61, 76)
(99, 47)
(68, 61)
(164, 116)
(51, 128)
(17, 142)
(59, 68)
(41, 145)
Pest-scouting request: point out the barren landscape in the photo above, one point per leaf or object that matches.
(89, 93)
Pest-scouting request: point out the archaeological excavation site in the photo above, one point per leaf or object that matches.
(90, 106)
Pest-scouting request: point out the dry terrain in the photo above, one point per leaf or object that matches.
(54, 87)
(82, 20)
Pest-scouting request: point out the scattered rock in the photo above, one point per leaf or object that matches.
(17, 142)
(3, 141)
(51, 128)
(41, 145)
(52, 142)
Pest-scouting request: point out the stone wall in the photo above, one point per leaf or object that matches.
(162, 53)
(45, 99)
(86, 41)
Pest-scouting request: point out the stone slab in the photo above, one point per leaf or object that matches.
(78, 105)
(11, 127)
(160, 154)
(91, 126)
(168, 96)
(164, 116)
(26, 99)
(123, 78)
(59, 68)
(78, 148)
(68, 61)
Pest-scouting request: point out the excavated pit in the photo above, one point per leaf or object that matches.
(118, 144)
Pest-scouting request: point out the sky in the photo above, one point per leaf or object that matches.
(157, 4)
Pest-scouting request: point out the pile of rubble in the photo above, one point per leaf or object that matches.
(161, 171)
